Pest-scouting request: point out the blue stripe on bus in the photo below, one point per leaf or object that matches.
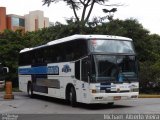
(39, 70)
(33, 70)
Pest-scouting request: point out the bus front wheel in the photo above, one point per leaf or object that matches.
(72, 97)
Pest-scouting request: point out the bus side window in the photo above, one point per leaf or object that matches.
(80, 49)
(77, 70)
(85, 69)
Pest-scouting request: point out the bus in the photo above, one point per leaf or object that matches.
(81, 68)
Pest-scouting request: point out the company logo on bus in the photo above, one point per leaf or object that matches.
(53, 70)
(66, 68)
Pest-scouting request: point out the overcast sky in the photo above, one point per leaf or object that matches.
(147, 12)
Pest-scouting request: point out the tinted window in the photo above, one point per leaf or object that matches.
(85, 69)
(77, 70)
(63, 52)
(25, 58)
(21, 22)
(68, 51)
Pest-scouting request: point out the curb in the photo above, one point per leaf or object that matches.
(149, 96)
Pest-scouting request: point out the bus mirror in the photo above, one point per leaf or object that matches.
(5, 70)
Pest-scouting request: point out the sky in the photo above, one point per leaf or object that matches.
(147, 12)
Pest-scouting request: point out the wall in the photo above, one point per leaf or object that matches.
(2, 19)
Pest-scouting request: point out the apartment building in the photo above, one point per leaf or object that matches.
(33, 21)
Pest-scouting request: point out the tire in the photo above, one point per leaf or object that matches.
(72, 97)
(30, 90)
(110, 104)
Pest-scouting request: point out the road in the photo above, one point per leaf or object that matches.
(22, 104)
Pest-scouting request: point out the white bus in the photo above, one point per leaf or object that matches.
(81, 68)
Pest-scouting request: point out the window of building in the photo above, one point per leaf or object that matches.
(21, 22)
(17, 21)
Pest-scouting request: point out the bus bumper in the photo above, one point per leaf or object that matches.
(112, 97)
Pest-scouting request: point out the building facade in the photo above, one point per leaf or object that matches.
(15, 22)
(2, 19)
(33, 21)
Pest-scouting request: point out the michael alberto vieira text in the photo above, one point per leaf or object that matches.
(132, 116)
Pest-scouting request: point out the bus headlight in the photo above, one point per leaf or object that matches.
(93, 91)
(97, 91)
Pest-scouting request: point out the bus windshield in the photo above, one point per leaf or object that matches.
(111, 46)
(111, 67)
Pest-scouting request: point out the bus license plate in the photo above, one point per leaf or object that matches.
(117, 97)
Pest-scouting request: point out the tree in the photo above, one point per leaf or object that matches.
(10, 45)
(85, 5)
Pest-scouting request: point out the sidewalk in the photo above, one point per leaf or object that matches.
(148, 96)
(17, 95)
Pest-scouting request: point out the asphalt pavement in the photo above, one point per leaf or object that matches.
(40, 105)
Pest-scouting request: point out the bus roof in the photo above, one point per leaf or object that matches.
(77, 36)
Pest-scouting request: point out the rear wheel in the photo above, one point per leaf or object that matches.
(30, 90)
(72, 97)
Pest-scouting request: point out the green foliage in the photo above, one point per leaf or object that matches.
(10, 45)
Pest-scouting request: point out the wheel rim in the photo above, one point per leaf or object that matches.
(29, 90)
(70, 96)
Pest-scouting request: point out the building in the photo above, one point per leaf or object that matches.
(15, 22)
(33, 21)
(2, 19)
